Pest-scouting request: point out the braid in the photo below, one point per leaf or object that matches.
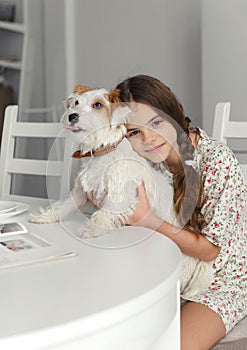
(187, 186)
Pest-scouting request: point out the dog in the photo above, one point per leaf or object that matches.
(112, 171)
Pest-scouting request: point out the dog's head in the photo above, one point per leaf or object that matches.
(96, 116)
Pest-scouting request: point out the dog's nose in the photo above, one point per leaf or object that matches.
(73, 118)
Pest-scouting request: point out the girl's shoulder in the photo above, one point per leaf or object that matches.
(216, 158)
(209, 149)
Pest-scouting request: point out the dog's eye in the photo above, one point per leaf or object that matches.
(97, 105)
(76, 102)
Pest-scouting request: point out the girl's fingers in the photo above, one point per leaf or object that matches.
(142, 195)
(91, 198)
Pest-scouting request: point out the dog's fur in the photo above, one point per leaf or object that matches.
(97, 117)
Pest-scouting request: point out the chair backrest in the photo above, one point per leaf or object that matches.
(225, 129)
(10, 164)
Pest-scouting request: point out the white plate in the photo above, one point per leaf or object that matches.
(6, 206)
(19, 209)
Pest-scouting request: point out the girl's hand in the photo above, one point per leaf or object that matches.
(143, 214)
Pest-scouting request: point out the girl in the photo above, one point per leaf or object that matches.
(206, 174)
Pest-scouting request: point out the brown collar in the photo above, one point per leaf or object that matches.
(98, 152)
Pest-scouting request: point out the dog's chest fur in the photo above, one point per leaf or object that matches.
(119, 172)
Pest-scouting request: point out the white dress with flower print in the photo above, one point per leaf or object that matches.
(225, 212)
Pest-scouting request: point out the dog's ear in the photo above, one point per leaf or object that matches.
(119, 110)
(80, 89)
(114, 96)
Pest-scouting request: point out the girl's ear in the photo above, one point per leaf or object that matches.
(80, 89)
(114, 96)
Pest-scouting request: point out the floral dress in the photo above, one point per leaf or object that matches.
(225, 212)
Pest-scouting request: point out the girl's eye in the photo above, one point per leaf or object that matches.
(157, 122)
(97, 105)
(133, 133)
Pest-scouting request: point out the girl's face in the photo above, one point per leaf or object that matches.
(152, 136)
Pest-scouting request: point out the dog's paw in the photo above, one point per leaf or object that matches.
(91, 231)
(45, 217)
(87, 232)
(39, 219)
(104, 220)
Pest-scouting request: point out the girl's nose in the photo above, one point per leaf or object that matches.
(148, 137)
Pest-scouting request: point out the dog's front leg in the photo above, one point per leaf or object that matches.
(61, 209)
(116, 209)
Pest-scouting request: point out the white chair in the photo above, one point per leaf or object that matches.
(10, 165)
(225, 129)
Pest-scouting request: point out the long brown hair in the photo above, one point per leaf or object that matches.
(187, 184)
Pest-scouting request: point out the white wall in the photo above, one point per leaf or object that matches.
(100, 43)
(54, 52)
(33, 81)
(114, 39)
(224, 57)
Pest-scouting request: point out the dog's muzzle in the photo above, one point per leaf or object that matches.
(73, 119)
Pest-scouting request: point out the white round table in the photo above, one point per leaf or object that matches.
(103, 298)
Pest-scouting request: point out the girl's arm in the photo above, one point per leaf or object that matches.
(190, 243)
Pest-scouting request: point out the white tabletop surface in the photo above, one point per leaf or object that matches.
(106, 273)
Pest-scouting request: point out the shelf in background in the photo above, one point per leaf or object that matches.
(10, 64)
(12, 26)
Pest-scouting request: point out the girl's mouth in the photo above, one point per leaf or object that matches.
(155, 149)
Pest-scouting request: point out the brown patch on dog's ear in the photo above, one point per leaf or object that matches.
(114, 96)
(80, 89)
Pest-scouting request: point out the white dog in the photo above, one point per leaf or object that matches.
(112, 171)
